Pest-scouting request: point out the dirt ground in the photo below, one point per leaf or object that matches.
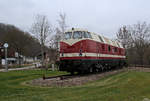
(80, 80)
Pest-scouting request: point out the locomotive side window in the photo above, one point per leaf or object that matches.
(77, 35)
(109, 48)
(68, 35)
(118, 44)
(100, 38)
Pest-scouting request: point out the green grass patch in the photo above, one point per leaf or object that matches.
(125, 86)
(20, 66)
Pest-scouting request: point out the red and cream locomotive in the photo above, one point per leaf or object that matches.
(82, 51)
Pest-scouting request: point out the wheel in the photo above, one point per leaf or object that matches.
(72, 72)
(91, 70)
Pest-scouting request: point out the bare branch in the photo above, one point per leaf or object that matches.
(42, 30)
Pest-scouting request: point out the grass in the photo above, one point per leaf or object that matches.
(17, 66)
(20, 66)
(125, 86)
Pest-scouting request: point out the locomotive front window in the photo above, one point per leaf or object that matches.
(89, 35)
(77, 35)
(86, 35)
(68, 35)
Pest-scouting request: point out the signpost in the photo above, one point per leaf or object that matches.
(6, 63)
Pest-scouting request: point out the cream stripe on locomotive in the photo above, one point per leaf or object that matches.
(90, 54)
(73, 41)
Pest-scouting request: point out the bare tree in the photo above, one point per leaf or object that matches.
(62, 25)
(140, 35)
(135, 39)
(60, 30)
(52, 43)
(124, 36)
(42, 29)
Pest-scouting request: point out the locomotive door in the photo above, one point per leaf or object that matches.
(98, 50)
(98, 62)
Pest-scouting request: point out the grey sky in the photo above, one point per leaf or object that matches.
(100, 16)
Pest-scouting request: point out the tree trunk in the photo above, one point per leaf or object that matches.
(19, 61)
(0, 60)
(19, 57)
(42, 54)
(141, 60)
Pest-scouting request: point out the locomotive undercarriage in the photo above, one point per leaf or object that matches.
(87, 66)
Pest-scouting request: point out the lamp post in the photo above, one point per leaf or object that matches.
(6, 63)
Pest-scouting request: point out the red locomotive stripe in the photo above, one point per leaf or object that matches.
(70, 58)
(90, 46)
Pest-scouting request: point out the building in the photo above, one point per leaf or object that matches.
(0, 54)
(11, 58)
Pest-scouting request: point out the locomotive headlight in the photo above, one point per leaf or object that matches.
(80, 54)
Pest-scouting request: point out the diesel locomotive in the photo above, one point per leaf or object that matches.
(83, 51)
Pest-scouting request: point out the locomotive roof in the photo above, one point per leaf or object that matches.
(97, 37)
(76, 29)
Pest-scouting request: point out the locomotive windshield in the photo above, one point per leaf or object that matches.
(80, 34)
(77, 35)
(68, 35)
(87, 35)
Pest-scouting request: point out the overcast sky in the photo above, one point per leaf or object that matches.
(100, 16)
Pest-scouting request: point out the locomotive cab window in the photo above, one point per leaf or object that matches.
(68, 35)
(77, 35)
(109, 48)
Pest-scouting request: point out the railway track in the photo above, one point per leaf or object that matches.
(73, 80)
(61, 77)
(69, 76)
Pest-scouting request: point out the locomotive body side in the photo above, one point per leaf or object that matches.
(90, 54)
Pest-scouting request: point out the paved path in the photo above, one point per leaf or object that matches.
(23, 68)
